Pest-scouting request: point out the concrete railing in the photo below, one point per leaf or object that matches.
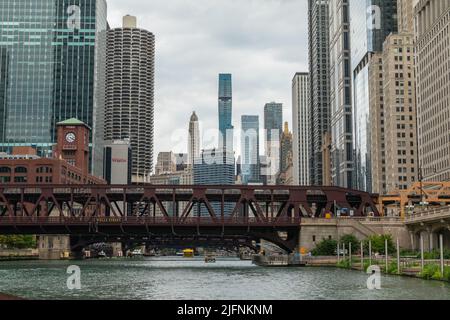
(365, 220)
(19, 253)
(431, 214)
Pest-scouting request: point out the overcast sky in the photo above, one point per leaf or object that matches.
(261, 42)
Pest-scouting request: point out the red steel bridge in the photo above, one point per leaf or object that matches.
(171, 213)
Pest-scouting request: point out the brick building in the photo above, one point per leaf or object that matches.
(69, 165)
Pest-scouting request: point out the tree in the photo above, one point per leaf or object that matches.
(326, 247)
(18, 241)
(378, 244)
(350, 238)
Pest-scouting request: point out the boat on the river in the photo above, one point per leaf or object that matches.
(210, 259)
(188, 253)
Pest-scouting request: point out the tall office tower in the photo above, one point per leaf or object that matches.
(225, 112)
(130, 72)
(376, 177)
(166, 163)
(214, 167)
(371, 21)
(193, 139)
(319, 70)
(400, 116)
(301, 133)
(52, 67)
(432, 20)
(273, 126)
(249, 164)
(340, 96)
(286, 148)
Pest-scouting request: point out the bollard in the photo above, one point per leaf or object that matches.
(350, 254)
(343, 251)
(338, 252)
(441, 244)
(362, 256)
(398, 257)
(422, 264)
(386, 254)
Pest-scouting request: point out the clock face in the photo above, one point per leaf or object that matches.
(70, 137)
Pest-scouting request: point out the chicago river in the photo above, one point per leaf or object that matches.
(179, 278)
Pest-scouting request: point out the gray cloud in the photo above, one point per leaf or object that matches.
(261, 42)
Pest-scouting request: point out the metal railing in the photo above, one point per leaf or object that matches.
(147, 220)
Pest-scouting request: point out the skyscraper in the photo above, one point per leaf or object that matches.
(301, 134)
(225, 112)
(285, 177)
(400, 118)
(194, 139)
(371, 21)
(249, 165)
(52, 67)
(433, 88)
(319, 69)
(130, 71)
(273, 126)
(341, 127)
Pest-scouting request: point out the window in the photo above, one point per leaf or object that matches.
(21, 170)
(5, 170)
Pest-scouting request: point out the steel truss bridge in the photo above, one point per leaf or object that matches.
(162, 214)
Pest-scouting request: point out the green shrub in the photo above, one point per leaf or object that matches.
(392, 267)
(437, 276)
(350, 238)
(378, 244)
(18, 241)
(429, 271)
(344, 264)
(435, 255)
(326, 247)
(447, 273)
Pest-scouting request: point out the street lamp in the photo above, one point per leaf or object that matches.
(422, 203)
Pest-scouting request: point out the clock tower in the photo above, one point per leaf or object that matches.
(73, 143)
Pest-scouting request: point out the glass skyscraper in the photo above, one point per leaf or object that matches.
(250, 149)
(51, 69)
(371, 21)
(225, 111)
(214, 167)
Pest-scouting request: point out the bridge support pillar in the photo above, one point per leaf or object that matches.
(412, 237)
(431, 239)
(54, 247)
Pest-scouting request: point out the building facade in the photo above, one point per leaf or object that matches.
(69, 163)
(249, 160)
(214, 167)
(371, 21)
(130, 72)
(273, 126)
(319, 71)
(341, 126)
(301, 129)
(118, 160)
(225, 112)
(432, 20)
(400, 118)
(166, 163)
(52, 66)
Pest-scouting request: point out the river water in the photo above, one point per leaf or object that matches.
(179, 278)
